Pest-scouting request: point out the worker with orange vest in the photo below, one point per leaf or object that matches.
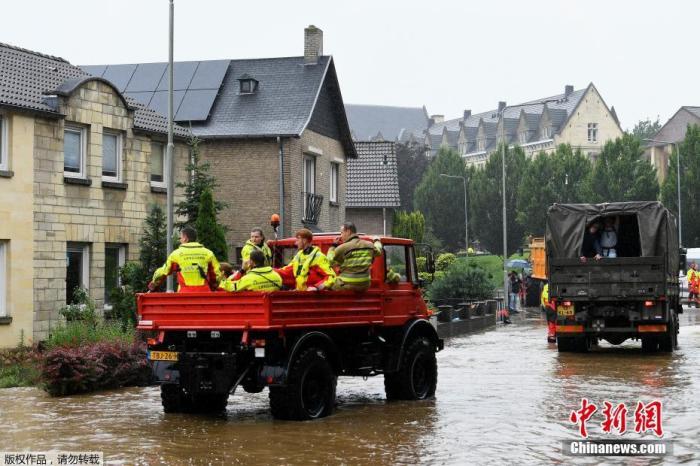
(550, 313)
(693, 284)
(310, 269)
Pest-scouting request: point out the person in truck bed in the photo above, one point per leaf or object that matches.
(354, 258)
(310, 269)
(590, 249)
(256, 242)
(260, 277)
(196, 267)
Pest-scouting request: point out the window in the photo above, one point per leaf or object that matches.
(395, 256)
(335, 168)
(111, 156)
(115, 258)
(74, 149)
(4, 165)
(480, 144)
(77, 269)
(157, 164)
(309, 174)
(523, 137)
(592, 132)
(3, 278)
(546, 132)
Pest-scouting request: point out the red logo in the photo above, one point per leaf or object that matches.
(647, 417)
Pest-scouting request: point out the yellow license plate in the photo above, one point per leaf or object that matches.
(162, 355)
(565, 310)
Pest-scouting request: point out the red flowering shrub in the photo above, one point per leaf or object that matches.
(95, 366)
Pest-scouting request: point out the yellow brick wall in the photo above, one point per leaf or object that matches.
(16, 229)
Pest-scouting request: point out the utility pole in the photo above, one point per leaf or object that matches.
(169, 153)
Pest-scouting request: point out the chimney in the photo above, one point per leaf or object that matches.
(437, 118)
(466, 115)
(313, 45)
(501, 106)
(568, 89)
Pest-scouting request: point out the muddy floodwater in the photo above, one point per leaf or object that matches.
(504, 397)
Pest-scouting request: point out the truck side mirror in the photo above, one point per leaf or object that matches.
(430, 263)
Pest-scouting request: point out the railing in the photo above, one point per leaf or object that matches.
(311, 203)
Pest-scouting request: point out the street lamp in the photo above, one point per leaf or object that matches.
(678, 184)
(466, 231)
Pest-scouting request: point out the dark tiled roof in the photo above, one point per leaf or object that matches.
(367, 120)
(371, 182)
(29, 79)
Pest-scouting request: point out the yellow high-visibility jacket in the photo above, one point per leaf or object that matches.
(354, 257)
(257, 279)
(250, 246)
(196, 268)
(310, 267)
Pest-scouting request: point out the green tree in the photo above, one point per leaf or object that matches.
(411, 164)
(690, 196)
(441, 200)
(563, 177)
(199, 181)
(153, 243)
(409, 225)
(209, 232)
(622, 174)
(486, 213)
(646, 129)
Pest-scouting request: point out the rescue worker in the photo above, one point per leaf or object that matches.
(354, 258)
(309, 269)
(260, 277)
(693, 277)
(550, 313)
(256, 242)
(196, 266)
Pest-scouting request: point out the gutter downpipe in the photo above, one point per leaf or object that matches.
(280, 143)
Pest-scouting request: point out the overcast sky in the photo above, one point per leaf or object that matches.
(446, 55)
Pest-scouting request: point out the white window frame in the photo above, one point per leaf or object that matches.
(523, 137)
(121, 261)
(4, 144)
(163, 148)
(592, 132)
(83, 151)
(309, 189)
(4, 244)
(119, 154)
(335, 180)
(85, 261)
(545, 132)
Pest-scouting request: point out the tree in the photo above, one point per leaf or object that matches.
(411, 164)
(563, 176)
(441, 200)
(621, 173)
(153, 243)
(409, 225)
(209, 232)
(646, 129)
(486, 213)
(690, 197)
(199, 181)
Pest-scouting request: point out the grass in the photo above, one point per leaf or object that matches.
(18, 375)
(77, 333)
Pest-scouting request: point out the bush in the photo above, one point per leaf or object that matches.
(421, 263)
(123, 298)
(18, 367)
(444, 261)
(461, 281)
(77, 333)
(69, 370)
(81, 309)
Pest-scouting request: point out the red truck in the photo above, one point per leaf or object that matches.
(202, 346)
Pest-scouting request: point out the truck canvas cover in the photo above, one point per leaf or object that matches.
(658, 237)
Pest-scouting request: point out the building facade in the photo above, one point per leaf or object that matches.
(673, 131)
(81, 165)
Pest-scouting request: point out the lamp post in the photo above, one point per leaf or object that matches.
(170, 166)
(466, 224)
(678, 184)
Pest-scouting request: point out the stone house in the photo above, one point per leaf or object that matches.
(80, 164)
(373, 187)
(673, 131)
(577, 117)
(274, 131)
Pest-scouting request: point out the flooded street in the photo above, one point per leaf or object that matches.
(504, 396)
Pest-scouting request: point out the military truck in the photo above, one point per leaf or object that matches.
(634, 295)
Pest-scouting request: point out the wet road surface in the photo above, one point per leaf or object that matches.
(504, 397)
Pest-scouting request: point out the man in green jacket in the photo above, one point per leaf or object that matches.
(354, 257)
(260, 277)
(255, 243)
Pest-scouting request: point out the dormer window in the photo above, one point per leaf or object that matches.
(248, 84)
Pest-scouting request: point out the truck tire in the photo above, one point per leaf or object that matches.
(565, 344)
(310, 389)
(174, 399)
(416, 378)
(582, 344)
(209, 403)
(649, 344)
(669, 339)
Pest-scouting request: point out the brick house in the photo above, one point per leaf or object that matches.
(80, 164)
(373, 187)
(253, 117)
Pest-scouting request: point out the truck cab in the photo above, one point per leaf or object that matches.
(203, 346)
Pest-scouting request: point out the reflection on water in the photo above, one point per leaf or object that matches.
(504, 396)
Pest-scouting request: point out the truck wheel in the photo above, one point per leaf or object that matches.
(649, 344)
(582, 344)
(310, 389)
(417, 375)
(669, 340)
(565, 344)
(210, 403)
(174, 399)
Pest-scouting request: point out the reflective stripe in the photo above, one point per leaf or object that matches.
(351, 279)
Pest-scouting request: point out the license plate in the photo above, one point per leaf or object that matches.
(162, 355)
(565, 310)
